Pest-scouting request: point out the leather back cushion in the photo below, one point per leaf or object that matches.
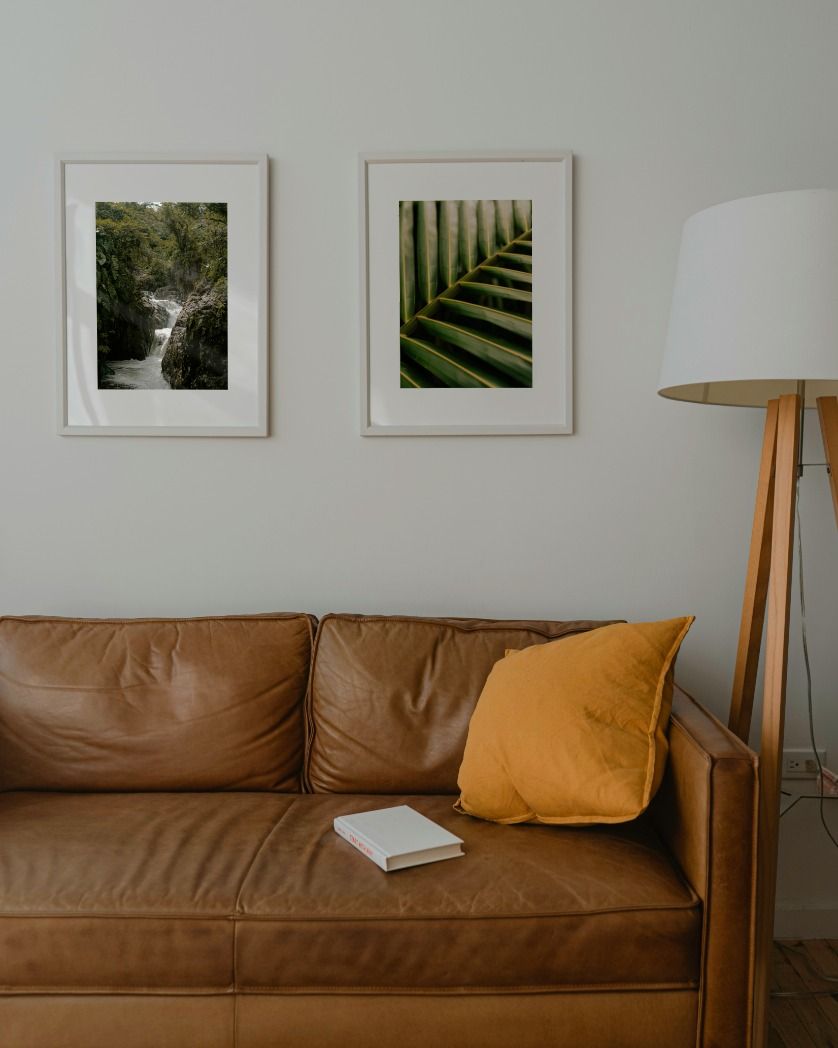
(391, 697)
(153, 704)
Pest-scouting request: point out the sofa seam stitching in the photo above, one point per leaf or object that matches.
(309, 722)
(686, 907)
(482, 988)
(30, 989)
(487, 625)
(693, 904)
(350, 990)
(233, 957)
(40, 620)
(745, 755)
(235, 998)
(708, 901)
(712, 759)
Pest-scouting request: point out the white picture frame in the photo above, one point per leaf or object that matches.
(391, 405)
(241, 182)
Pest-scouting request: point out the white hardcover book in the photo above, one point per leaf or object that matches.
(398, 837)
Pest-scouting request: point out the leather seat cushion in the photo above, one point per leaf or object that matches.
(525, 907)
(125, 891)
(203, 892)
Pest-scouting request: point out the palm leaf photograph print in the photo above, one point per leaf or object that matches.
(465, 291)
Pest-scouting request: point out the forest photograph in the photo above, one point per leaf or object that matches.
(465, 293)
(161, 295)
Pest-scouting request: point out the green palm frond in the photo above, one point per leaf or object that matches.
(468, 235)
(505, 216)
(427, 268)
(497, 291)
(507, 273)
(449, 242)
(513, 322)
(522, 210)
(486, 238)
(449, 370)
(407, 261)
(466, 293)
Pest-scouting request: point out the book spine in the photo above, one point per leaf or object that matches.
(377, 856)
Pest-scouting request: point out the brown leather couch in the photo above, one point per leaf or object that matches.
(169, 876)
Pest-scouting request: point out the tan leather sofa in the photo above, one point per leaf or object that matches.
(169, 876)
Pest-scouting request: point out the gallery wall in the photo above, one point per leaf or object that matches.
(644, 512)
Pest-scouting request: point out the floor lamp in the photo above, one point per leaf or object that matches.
(754, 323)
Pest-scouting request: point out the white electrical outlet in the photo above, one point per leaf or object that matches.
(801, 764)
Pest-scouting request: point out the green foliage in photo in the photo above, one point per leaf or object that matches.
(465, 290)
(167, 249)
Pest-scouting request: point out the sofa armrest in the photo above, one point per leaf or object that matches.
(706, 813)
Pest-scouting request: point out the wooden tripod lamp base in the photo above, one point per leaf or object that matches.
(755, 316)
(828, 412)
(768, 583)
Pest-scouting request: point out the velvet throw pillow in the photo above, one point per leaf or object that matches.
(573, 731)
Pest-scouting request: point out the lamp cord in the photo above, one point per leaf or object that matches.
(810, 703)
(814, 968)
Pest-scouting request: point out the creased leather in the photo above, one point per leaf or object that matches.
(152, 704)
(117, 853)
(528, 906)
(231, 919)
(391, 697)
(109, 891)
(143, 892)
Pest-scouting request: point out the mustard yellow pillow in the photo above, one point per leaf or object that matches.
(573, 731)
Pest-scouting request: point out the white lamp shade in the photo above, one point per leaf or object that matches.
(755, 305)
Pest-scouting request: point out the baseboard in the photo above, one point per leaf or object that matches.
(797, 923)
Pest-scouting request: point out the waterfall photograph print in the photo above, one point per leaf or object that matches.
(161, 295)
(465, 293)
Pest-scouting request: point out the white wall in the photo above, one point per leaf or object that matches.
(645, 512)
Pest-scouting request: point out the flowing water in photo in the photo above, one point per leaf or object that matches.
(146, 373)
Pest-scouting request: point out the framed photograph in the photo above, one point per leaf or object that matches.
(466, 294)
(163, 265)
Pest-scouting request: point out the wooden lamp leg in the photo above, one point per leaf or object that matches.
(774, 699)
(756, 585)
(828, 412)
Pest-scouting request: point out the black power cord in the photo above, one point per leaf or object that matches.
(808, 666)
(813, 967)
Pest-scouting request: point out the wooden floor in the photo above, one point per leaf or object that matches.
(798, 1022)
